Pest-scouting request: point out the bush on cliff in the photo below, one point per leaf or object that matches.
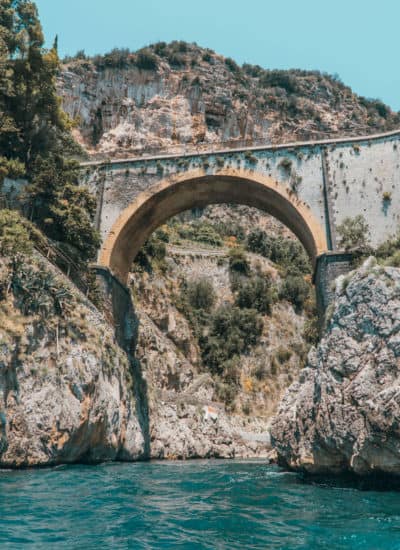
(295, 290)
(354, 233)
(287, 253)
(153, 252)
(18, 235)
(232, 331)
(201, 294)
(238, 263)
(14, 235)
(255, 293)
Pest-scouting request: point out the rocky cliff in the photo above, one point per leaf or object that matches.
(70, 393)
(342, 415)
(67, 390)
(169, 95)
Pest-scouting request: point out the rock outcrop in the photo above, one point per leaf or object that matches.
(67, 390)
(187, 95)
(343, 415)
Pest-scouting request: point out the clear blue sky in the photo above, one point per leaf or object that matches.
(358, 39)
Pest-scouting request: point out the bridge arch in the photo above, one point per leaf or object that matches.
(197, 188)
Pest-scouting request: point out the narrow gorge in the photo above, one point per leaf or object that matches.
(224, 357)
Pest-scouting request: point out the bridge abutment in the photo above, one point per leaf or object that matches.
(328, 267)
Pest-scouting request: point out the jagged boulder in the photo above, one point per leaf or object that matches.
(343, 414)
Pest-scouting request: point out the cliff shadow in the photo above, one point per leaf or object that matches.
(121, 312)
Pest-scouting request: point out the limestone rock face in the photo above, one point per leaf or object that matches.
(204, 99)
(343, 414)
(66, 389)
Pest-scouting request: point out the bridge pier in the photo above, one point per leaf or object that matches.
(328, 267)
(118, 307)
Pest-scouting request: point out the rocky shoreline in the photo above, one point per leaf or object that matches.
(342, 415)
(65, 403)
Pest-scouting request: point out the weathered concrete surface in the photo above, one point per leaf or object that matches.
(344, 412)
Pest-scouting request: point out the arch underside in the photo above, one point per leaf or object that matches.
(170, 197)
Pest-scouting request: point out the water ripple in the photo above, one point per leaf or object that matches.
(201, 505)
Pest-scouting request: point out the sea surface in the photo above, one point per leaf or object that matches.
(191, 505)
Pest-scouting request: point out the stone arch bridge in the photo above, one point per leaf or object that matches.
(309, 186)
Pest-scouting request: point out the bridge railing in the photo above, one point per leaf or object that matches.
(189, 149)
(62, 261)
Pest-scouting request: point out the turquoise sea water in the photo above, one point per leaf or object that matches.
(190, 505)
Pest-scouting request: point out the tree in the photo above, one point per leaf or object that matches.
(238, 262)
(61, 208)
(35, 136)
(296, 290)
(259, 242)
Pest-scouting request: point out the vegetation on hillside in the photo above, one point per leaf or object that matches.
(228, 330)
(35, 137)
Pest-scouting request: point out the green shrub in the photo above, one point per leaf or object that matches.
(11, 168)
(159, 48)
(152, 252)
(229, 229)
(232, 331)
(176, 60)
(232, 65)
(38, 291)
(286, 165)
(201, 294)
(389, 251)
(238, 262)
(260, 372)
(227, 394)
(206, 57)
(295, 290)
(283, 355)
(255, 293)
(231, 371)
(288, 253)
(200, 232)
(14, 234)
(162, 235)
(394, 259)
(62, 208)
(279, 78)
(260, 243)
(354, 233)
(311, 331)
(146, 61)
(250, 158)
